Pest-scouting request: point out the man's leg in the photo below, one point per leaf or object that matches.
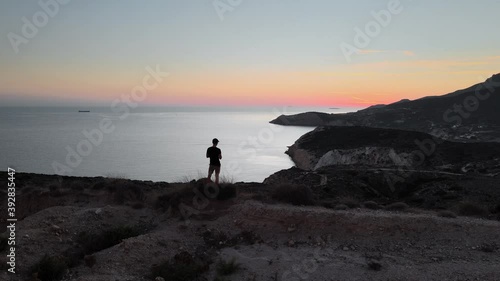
(217, 172)
(210, 171)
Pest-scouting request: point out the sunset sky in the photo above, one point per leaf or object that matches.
(245, 52)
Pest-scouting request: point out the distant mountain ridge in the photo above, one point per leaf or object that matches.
(467, 115)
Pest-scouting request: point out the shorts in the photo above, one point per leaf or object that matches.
(211, 168)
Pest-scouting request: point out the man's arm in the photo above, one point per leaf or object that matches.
(220, 156)
(207, 154)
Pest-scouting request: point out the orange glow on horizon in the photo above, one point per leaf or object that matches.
(352, 85)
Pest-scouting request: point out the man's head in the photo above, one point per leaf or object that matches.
(215, 142)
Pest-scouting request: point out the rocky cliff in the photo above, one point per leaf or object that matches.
(389, 148)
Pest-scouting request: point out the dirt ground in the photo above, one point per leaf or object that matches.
(269, 240)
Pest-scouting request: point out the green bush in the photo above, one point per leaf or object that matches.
(227, 267)
(294, 194)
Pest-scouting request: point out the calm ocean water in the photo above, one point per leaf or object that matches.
(159, 144)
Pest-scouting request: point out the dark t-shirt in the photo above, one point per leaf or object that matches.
(213, 153)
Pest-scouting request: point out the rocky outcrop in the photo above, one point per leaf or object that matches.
(367, 156)
(302, 158)
(387, 148)
(304, 119)
(468, 115)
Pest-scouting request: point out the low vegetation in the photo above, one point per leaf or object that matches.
(185, 192)
(175, 197)
(226, 191)
(293, 194)
(128, 191)
(182, 267)
(92, 243)
(225, 268)
(50, 268)
(350, 202)
(398, 206)
(371, 205)
(447, 214)
(341, 207)
(471, 210)
(77, 185)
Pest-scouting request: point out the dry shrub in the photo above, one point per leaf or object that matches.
(471, 210)
(341, 207)
(294, 194)
(447, 214)
(227, 267)
(77, 185)
(172, 199)
(126, 191)
(50, 268)
(398, 206)
(182, 267)
(92, 243)
(371, 205)
(227, 191)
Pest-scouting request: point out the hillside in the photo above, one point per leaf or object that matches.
(379, 148)
(468, 115)
(93, 229)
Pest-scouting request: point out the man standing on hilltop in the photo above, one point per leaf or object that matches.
(215, 155)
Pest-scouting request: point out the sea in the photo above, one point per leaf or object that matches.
(149, 143)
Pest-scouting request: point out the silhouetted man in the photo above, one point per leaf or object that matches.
(215, 155)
